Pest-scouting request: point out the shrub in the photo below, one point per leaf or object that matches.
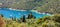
(56, 18)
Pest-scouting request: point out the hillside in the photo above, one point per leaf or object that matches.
(49, 21)
(50, 6)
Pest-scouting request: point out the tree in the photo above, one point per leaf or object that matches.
(23, 18)
(30, 16)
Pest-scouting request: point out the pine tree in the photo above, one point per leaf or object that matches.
(30, 16)
(23, 19)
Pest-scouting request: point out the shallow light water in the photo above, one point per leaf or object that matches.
(8, 13)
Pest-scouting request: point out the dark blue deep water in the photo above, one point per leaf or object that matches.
(8, 13)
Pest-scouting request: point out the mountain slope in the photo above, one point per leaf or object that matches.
(50, 6)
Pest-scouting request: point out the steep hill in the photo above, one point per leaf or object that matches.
(50, 6)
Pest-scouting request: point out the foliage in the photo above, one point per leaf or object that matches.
(31, 16)
(50, 6)
(23, 19)
(48, 21)
(56, 18)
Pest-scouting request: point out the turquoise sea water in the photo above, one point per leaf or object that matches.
(8, 13)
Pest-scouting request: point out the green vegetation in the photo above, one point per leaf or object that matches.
(48, 21)
(31, 16)
(50, 6)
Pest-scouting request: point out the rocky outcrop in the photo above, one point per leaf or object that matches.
(2, 22)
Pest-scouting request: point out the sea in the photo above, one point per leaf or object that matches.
(17, 13)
